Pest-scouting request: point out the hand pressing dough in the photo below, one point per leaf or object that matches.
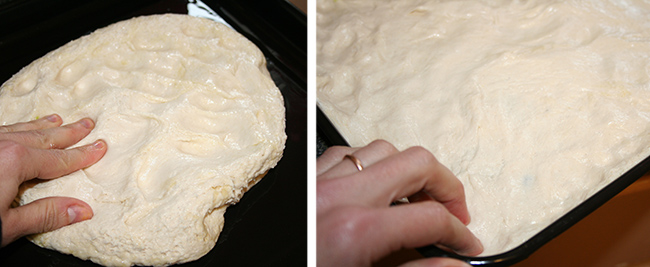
(192, 120)
(534, 105)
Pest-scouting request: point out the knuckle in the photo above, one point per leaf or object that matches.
(51, 217)
(438, 214)
(64, 161)
(58, 163)
(13, 151)
(426, 161)
(423, 154)
(42, 137)
(342, 230)
(350, 226)
(383, 145)
(457, 187)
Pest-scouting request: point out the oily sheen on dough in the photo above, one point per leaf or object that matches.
(534, 105)
(192, 120)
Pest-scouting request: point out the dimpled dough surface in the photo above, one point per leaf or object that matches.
(534, 105)
(192, 120)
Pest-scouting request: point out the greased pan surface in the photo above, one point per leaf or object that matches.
(268, 227)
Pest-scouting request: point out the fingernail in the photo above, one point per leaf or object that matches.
(99, 145)
(77, 214)
(87, 123)
(53, 118)
(480, 244)
(475, 249)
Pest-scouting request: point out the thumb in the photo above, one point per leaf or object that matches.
(43, 215)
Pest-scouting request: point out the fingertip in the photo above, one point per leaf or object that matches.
(96, 151)
(475, 249)
(54, 118)
(78, 213)
(458, 207)
(87, 123)
(44, 215)
(466, 219)
(480, 247)
(99, 145)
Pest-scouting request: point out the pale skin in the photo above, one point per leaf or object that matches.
(37, 149)
(356, 224)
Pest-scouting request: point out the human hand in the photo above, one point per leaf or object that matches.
(36, 149)
(356, 224)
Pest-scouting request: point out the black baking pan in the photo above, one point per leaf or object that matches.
(328, 135)
(268, 227)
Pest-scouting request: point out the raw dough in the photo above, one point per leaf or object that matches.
(192, 120)
(534, 105)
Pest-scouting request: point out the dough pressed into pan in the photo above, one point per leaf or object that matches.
(192, 120)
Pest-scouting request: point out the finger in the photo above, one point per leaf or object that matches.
(53, 163)
(436, 262)
(402, 175)
(57, 137)
(368, 155)
(43, 123)
(421, 224)
(330, 158)
(43, 215)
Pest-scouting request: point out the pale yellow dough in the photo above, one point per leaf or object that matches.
(192, 120)
(534, 105)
